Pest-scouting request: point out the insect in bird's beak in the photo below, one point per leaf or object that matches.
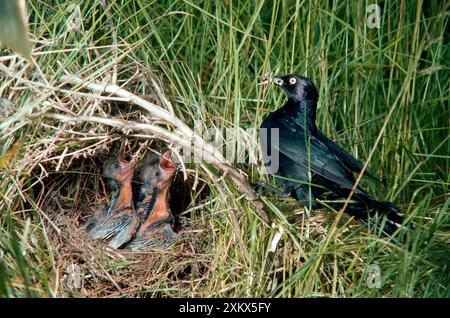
(277, 81)
(271, 80)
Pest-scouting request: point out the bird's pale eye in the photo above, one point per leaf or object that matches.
(292, 80)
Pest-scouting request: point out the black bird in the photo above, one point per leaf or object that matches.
(310, 166)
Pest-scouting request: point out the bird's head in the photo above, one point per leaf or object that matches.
(117, 168)
(158, 170)
(297, 87)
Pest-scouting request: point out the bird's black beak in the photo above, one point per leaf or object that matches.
(277, 81)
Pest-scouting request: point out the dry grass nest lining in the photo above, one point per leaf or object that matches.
(109, 272)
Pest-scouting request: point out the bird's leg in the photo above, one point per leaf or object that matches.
(259, 186)
(304, 197)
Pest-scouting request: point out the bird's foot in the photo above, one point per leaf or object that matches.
(259, 187)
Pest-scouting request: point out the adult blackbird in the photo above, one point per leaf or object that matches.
(153, 208)
(310, 166)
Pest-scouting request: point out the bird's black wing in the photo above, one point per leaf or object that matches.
(350, 162)
(311, 153)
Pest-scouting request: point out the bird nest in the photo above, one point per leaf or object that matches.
(105, 271)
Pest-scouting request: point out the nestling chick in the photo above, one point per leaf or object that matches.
(118, 221)
(153, 209)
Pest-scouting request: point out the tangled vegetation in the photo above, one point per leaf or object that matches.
(383, 88)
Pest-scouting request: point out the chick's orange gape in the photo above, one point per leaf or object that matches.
(162, 180)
